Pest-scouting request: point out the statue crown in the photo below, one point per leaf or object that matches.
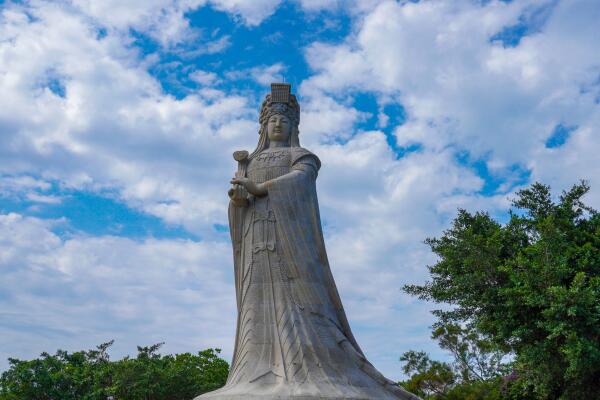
(280, 92)
(280, 101)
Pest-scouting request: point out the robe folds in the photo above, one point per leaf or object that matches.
(293, 340)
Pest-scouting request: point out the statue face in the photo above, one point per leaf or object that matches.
(278, 128)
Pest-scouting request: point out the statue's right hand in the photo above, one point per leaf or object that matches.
(238, 195)
(257, 189)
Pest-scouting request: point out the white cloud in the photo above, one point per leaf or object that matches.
(81, 292)
(318, 5)
(15, 184)
(165, 20)
(353, 7)
(459, 88)
(262, 74)
(39, 198)
(114, 127)
(205, 78)
(252, 12)
(578, 158)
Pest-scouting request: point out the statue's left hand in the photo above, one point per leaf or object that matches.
(257, 189)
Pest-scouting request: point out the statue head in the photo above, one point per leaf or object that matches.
(279, 118)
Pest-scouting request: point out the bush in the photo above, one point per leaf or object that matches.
(90, 375)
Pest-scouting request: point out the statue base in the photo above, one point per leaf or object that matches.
(285, 392)
(277, 397)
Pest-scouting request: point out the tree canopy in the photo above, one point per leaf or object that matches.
(529, 287)
(91, 375)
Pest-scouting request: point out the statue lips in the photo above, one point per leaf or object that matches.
(277, 135)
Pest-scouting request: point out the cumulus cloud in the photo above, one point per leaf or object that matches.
(78, 293)
(262, 74)
(462, 86)
(113, 126)
(165, 20)
(323, 119)
(353, 7)
(10, 185)
(252, 12)
(205, 78)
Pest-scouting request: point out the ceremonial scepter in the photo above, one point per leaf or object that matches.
(239, 198)
(239, 195)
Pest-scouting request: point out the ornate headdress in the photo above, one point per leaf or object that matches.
(280, 101)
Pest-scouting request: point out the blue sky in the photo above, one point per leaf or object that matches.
(118, 120)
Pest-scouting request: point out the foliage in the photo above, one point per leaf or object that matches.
(427, 377)
(474, 373)
(531, 286)
(90, 375)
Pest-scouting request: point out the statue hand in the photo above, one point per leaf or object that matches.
(237, 192)
(257, 189)
(238, 195)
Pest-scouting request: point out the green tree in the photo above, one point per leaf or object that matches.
(59, 376)
(183, 376)
(428, 378)
(91, 375)
(474, 373)
(475, 358)
(531, 286)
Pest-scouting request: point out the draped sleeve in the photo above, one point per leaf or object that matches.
(294, 199)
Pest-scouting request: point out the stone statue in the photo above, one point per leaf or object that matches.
(293, 340)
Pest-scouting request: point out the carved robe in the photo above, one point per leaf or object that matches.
(293, 340)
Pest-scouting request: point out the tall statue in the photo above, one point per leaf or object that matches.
(293, 340)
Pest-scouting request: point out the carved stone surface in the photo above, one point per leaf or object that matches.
(293, 340)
